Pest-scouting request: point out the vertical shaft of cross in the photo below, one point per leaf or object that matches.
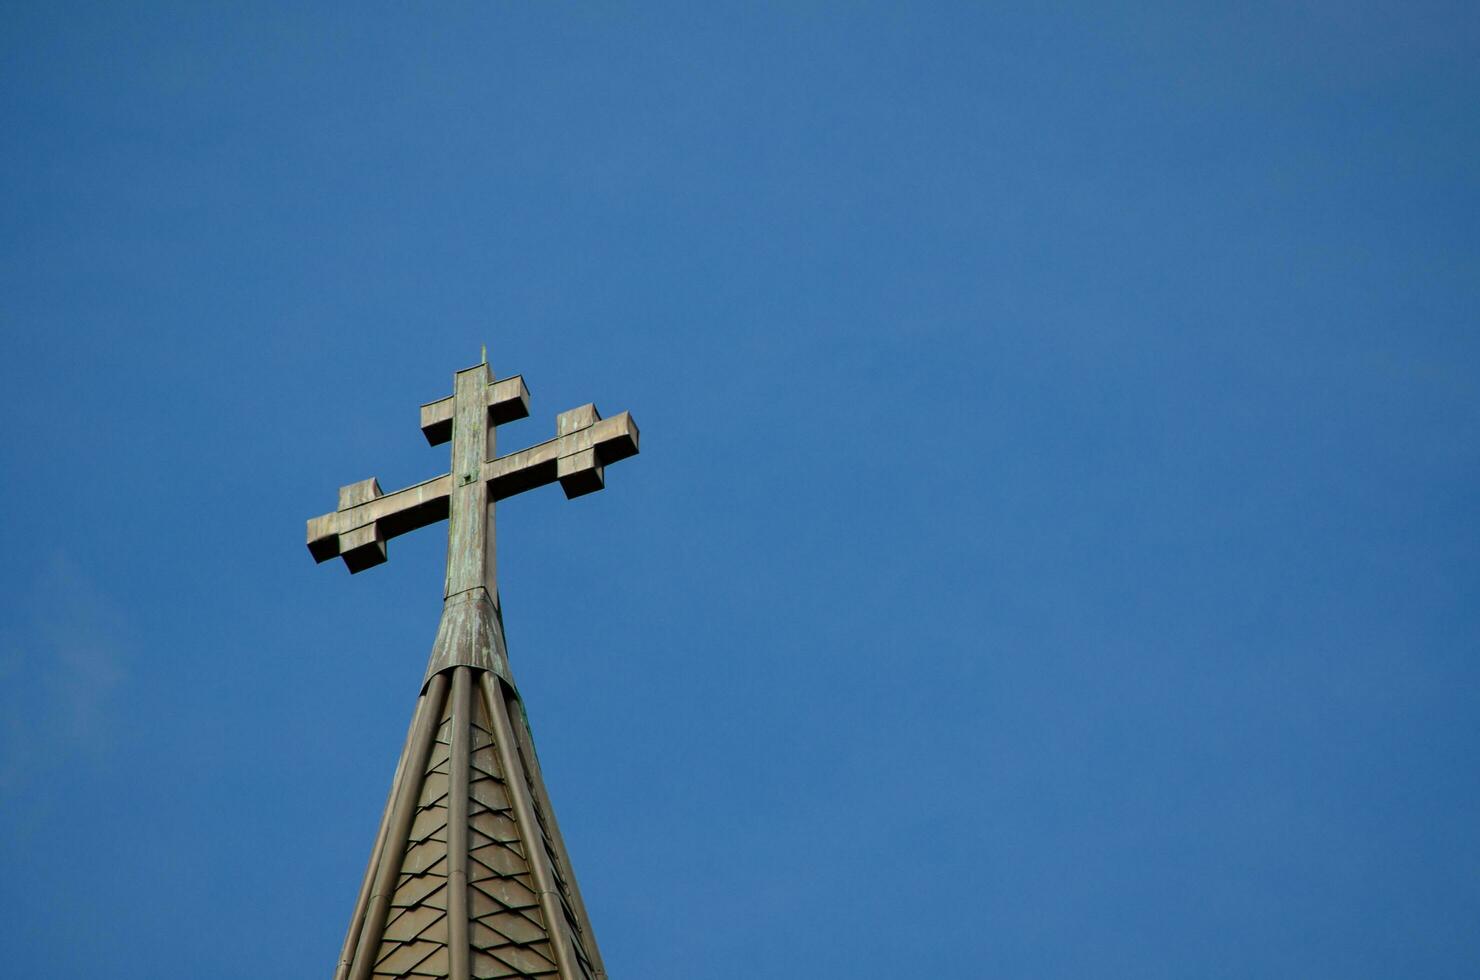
(470, 538)
(471, 632)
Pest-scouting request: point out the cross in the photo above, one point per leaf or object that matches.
(584, 444)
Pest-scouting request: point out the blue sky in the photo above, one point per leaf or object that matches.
(1053, 549)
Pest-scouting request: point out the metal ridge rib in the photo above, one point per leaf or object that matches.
(529, 830)
(358, 918)
(388, 864)
(457, 828)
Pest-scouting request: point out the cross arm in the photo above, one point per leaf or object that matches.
(367, 519)
(508, 400)
(584, 445)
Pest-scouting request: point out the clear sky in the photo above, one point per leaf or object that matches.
(1053, 551)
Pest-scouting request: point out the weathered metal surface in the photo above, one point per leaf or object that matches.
(457, 827)
(472, 879)
(359, 529)
(507, 399)
(610, 440)
(387, 861)
(469, 877)
(535, 848)
(392, 514)
(583, 939)
(351, 938)
(470, 539)
(470, 634)
(508, 933)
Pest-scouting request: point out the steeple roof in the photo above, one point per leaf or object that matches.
(469, 876)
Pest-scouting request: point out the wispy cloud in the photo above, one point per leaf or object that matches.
(61, 663)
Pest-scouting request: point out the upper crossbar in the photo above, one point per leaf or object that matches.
(508, 400)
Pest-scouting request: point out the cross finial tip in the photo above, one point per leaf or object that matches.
(484, 355)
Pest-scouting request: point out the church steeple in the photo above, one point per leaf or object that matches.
(469, 877)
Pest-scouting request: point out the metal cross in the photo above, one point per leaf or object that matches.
(367, 518)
